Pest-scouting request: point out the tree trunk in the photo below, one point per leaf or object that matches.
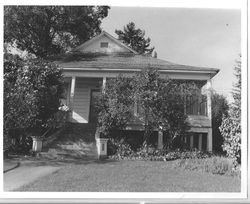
(146, 129)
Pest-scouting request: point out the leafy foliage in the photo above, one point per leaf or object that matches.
(114, 106)
(120, 150)
(47, 82)
(32, 92)
(19, 100)
(237, 91)
(231, 124)
(160, 102)
(219, 108)
(49, 30)
(135, 38)
(231, 131)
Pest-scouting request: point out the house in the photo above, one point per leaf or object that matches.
(104, 57)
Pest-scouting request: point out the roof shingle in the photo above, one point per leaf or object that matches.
(122, 61)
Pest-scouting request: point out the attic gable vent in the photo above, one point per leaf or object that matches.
(104, 44)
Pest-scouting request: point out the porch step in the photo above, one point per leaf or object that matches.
(77, 141)
(75, 131)
(69, 154)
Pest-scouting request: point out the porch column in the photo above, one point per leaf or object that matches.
(72, 93)
(200, 142)
(191, 141)
(209, 140)
(104, 84)
(209, 115)
(160, 138)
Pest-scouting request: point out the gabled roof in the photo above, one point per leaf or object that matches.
(104, 33)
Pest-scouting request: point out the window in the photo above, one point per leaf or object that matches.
(104, 44)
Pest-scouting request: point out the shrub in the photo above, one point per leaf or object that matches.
(119, 149)
(231, 131)
(214, 165)
(32, 92)
(22, 144)
(231, 124)
(219, 108)
(19, 100)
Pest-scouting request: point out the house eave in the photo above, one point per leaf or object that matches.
(212, 73)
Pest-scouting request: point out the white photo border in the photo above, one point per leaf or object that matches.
(98, 197)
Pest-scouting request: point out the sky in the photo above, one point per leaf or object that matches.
(190, 36)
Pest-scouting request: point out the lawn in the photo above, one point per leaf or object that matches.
(132, 176)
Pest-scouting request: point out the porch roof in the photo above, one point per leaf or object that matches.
(123, 61)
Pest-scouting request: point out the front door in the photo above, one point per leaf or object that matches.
(95, 93)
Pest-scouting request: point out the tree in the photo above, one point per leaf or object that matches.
(115, 104)
(19, 101)
(160, 102)
(236, 106)
(135, 38)
(50, 30)
(219, 108)
(32, 93)
(231, 124)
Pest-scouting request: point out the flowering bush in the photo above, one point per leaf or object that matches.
(120, 150)
(231, 125)
(63, 108)
(231, 132)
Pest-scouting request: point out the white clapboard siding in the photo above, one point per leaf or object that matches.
(82, 98)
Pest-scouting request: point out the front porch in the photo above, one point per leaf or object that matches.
(80, 95)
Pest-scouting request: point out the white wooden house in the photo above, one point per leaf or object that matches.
(104, 57)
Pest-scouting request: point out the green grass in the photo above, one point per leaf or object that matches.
(215, 165)
(132, 176)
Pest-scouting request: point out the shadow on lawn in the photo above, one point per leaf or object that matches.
(66, 160)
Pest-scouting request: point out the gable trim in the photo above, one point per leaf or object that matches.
(104, 33)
